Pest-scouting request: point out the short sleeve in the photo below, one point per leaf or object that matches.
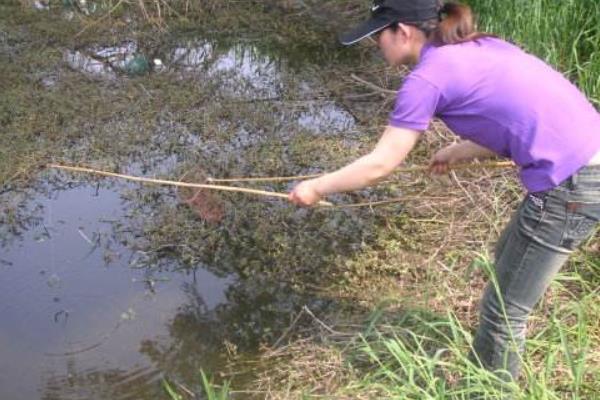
(416, 104)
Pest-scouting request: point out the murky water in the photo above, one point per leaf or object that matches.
(93, 308)
(85, 316)
(76, 311)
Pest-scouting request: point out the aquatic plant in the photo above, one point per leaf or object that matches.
(212, 391)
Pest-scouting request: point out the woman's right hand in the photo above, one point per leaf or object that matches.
(305, 194)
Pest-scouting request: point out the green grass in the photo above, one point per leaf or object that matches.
(433, 365)
(423, 356)
(564, 33)
(211, 391)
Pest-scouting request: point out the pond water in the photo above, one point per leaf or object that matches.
(94, 309)
(77, 312)
(87, 315)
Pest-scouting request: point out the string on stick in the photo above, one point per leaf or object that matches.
(419, 168)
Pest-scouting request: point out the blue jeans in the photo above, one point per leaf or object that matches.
(544, 231)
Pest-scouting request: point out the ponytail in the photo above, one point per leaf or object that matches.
(456, 24)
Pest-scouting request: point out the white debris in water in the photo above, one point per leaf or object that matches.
(83, 6)
(158, 65)
(128, 315)
(49, 81)
(41, 5)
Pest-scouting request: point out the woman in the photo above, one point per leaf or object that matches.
(502, 101)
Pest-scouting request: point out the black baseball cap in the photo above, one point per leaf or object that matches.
(387, 12)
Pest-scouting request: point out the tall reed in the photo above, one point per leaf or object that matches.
(564, 33)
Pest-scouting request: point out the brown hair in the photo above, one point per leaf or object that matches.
(455, 25)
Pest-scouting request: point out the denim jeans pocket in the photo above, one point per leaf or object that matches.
(581, 221)
(533, 210)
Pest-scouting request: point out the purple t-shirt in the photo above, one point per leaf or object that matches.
(496, 95)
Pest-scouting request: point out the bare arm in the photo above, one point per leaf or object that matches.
(390, 151)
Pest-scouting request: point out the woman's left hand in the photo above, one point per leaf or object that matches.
(305, 194)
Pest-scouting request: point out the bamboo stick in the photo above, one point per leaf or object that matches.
(179, 184)
(462, 166)
(388, 201)
(420, 168)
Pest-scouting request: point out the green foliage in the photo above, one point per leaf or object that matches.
(566, 34)
(172, 393)
(426, 357)
(211, 391)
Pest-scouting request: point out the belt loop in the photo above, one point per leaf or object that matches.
(573, 180)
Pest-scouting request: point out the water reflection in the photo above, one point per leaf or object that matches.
(241, 71)
(102, 62)
(198, 338)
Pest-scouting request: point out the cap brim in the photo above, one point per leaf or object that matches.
(366, 29)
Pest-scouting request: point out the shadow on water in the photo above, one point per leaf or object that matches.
(107, 287)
